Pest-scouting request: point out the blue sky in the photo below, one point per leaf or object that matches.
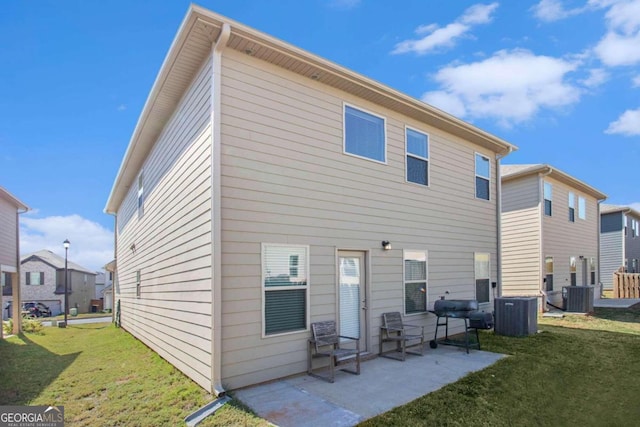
(559, 79)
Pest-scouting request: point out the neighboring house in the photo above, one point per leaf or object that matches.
(42, 280)
(265, 188)
(619, 241)
(550, 231)
(103, 280)
(10, 209)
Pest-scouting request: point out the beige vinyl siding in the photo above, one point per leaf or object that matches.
(563, 239)
(521, 269)
(285, 179)
(171, 243)
(8, 218)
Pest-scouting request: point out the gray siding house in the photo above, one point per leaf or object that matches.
(255, 196)
(10, 209)
(42, 280)
(550, 231)
(619, 241)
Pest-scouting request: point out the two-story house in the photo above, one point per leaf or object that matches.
(265, 188)
(42, 280)
(619, 241)
(10, 209)
(550, 232)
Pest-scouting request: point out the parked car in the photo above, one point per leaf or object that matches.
(35, 309)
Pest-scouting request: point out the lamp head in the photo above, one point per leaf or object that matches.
(66, 243)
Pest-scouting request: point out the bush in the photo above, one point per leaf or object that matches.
(30, 326)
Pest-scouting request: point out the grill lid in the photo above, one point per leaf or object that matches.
(445, 306)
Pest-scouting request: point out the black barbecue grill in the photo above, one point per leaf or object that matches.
(465, 309)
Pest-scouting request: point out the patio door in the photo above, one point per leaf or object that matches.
(353, 296)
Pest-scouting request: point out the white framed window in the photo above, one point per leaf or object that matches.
(634, 265)
(364, 134)
(138, 282)
(415, 281)
(548, 199)
(572, 207)
(483, 177)
(573, 271)
(285, 285)
(35, 278)
(482, 267)
(582, 208)
(548, 278)
(592, 270)
(417, 156)
(141, 195)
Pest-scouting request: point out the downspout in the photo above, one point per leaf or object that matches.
(543, 292)
(599, 282)
(499, 218)
(16, 306)
(216, 210)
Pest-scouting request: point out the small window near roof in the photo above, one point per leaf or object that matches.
(572, 207)
(548, 197)
(417, 157)
(483, 177)
(582, 208)
(364, 135)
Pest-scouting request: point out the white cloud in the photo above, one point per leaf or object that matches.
(446, 37)
(597, 77)
(510, 86)
(553, 10)
(621, 44)
(91, 243)
(628, 124)
(635, 82)
(635, 206)
(121, 107)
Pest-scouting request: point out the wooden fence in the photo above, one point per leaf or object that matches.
(626, 285)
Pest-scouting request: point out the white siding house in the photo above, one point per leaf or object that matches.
(550, 232)
(10, 208)
(256, 192)
(619, 241)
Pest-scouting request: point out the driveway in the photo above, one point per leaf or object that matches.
(382, 385)
(81, 321)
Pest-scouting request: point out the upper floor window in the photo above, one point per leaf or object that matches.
(548, 197)
(417, 145)
(415, 282)
(483, 177)
(635, 228)
(582, 208)
(572, 207)
(364, 135)
(35, 278)
(140, 195)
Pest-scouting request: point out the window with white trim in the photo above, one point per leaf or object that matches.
(582, 208)
(285, 281)
(364, 134)
(572, 207)
(573, 271)
(140, 195)
(35, 278)
(483, 276)
(483, 177)
(548, 197)
(415, 282)
(548, 278)
(138, 282)
(592, 269)
(417, 147)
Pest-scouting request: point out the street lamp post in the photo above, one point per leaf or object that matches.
(66, 244)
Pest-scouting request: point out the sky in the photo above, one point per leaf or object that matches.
(560, 79)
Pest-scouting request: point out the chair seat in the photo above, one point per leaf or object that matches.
(403, 335)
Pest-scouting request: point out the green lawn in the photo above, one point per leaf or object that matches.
(581, 370)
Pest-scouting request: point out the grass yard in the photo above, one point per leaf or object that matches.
(580, 371)
(103, 377)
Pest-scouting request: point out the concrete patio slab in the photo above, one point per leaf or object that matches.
(382, 385)
(615, 302)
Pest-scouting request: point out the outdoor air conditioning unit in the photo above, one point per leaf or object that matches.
(516, 316)
(579, 299)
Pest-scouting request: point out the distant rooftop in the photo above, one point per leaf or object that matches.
(56, 261)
